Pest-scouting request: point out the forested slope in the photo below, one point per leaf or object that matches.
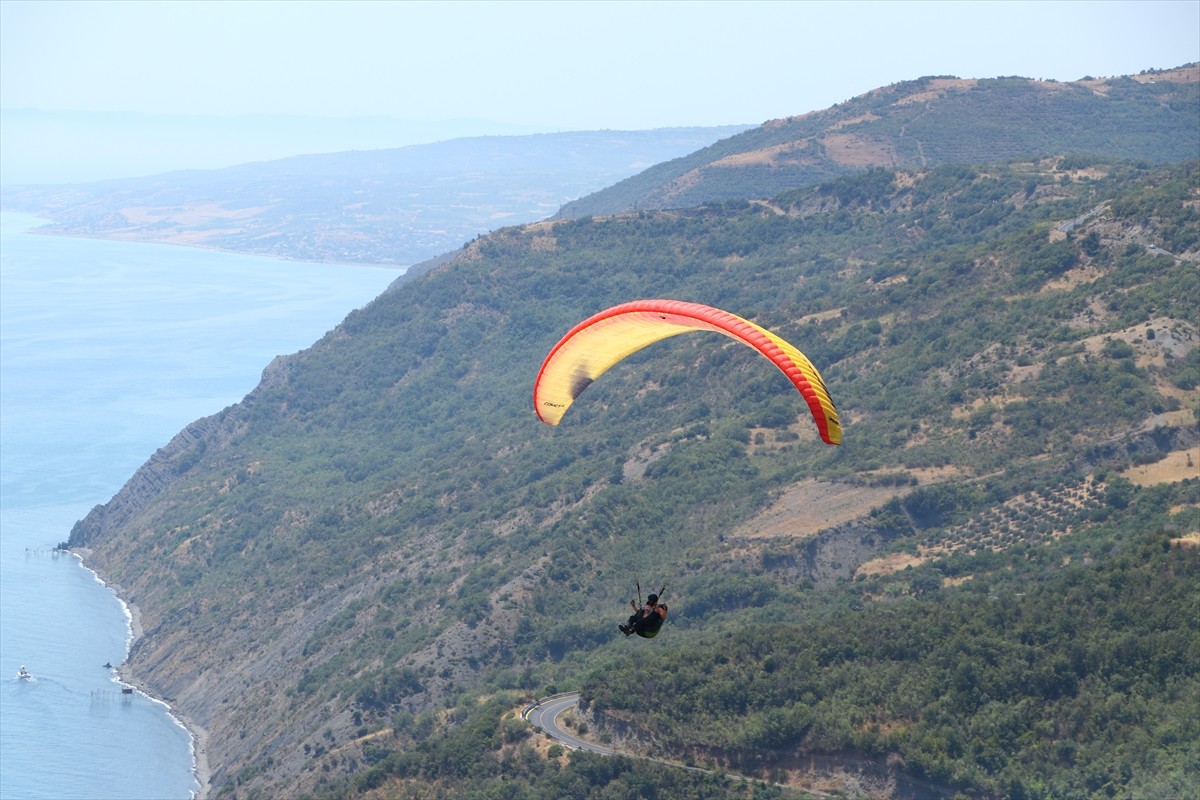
(1065, 669)
(353, 577)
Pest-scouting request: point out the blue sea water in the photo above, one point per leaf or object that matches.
(108, 349)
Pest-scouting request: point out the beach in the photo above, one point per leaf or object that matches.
(126, 675)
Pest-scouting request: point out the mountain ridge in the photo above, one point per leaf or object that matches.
(895, 127)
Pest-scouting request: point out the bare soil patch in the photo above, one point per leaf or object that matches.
(766, 157)
(812, 506)
(1173, 336)
(859, 151)
(1188, 74)
(996, 400)
(1072, 278)
(898, 562)
(868, 117)
(198, 214)
(924, 475)
(821, 316)
(886, 565)
(936, 88)
(182, 238)
(684, 182)
(1177, 466)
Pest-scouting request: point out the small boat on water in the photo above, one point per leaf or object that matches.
(24, 674)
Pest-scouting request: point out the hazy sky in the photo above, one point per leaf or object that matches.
(555, 65)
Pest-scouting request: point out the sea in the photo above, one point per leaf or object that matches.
(107, 350)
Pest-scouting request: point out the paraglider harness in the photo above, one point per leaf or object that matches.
(646, 626)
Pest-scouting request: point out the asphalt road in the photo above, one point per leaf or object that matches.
(543, 715)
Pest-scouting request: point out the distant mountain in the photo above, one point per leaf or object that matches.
(924, 123)
(397, 206)
(39, 146)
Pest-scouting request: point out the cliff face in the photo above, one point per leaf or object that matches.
(163, 471)
(169, 465)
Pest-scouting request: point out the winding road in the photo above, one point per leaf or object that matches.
(543, 715)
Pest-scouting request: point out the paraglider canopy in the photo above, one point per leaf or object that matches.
(589, 349)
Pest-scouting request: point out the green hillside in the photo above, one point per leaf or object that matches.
(1059, 670)
(352, 578)
(926, 123)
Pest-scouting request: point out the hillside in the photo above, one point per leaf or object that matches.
(352, 577)
(396, 206)
(926, 123)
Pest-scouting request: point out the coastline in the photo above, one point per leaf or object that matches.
(197, 735)
(149, 239)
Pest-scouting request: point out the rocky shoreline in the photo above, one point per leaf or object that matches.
(198, 736)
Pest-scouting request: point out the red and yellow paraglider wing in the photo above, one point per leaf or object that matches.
(590, 348)
(804, 377)
(600, 341)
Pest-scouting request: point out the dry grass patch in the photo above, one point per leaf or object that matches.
(1177, 466)
(858, 151)
(997, 401)
(1188, 74)
(822, 316)
(1076, 276)
(936, 88)
(768, 156)
(868, 117)
(926, 475)
(1172, 336)
(198, 214)
(813, 506)
(894, 562)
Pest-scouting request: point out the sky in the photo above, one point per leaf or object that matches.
(554, 66)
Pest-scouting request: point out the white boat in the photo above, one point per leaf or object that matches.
(24, 674)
